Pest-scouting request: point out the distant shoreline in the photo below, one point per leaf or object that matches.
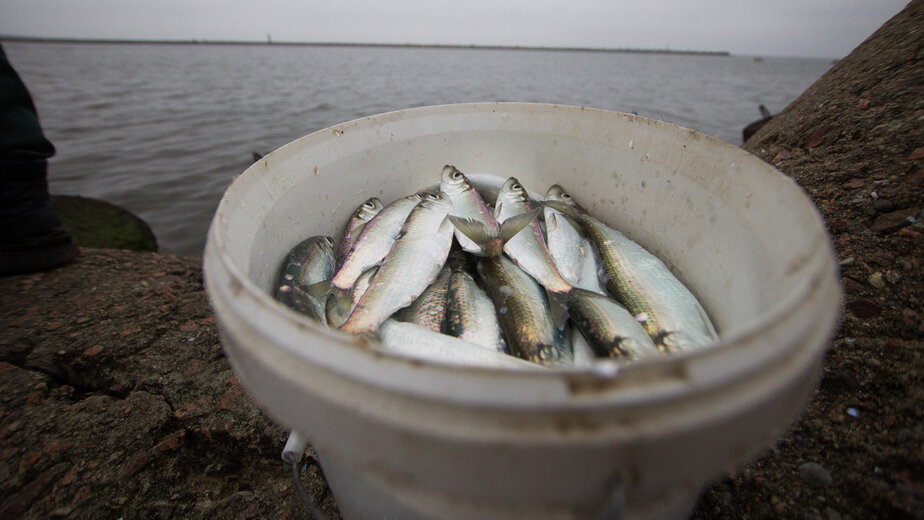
(37, 39)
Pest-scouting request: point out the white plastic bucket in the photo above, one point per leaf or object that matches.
(400, 438)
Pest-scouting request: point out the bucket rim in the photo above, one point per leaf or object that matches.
(604, 373)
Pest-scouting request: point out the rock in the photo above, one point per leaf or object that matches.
(863, 308)
(99, 224)
(894, 220)
(917, 154)
(893, 277)
(916, 178)
(814, 475)
(883, 205)
(911, 319)
(876, 280)
(851, 286)
(816, 139)
(855, 183)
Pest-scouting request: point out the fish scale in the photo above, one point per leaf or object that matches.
(524, 313)
(666, 308)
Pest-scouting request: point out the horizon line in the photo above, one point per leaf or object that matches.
(269, 42)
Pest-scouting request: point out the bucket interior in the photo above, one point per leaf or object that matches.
(721, 219)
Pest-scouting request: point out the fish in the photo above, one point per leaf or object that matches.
(414, 261)
(524, 312)
(591, 270)
(584, 355)
(429, 309)
(470, 313)
(412, 340)
(355, 293)
(608, 327)
(375, 240)
(371, 246)
(362, 285)
(477, 229)
(467, 204)
(564, 241)
(528, 249)
(670, 313)
(310, 262)
(489, 185)
(354, 226)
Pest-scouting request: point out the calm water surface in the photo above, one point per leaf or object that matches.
(162, 129)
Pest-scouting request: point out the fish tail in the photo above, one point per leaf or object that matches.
(558, 307)
(492, 241)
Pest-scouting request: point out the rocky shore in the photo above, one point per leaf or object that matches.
(116, 400)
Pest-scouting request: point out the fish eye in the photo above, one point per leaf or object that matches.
(565, 196)
(517, 187)
(457, 175)
(368, 205)
(329, 240)
(433, 196)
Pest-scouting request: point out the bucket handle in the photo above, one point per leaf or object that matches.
(292, 454)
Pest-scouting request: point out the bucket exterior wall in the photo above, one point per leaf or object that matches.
(399, 438)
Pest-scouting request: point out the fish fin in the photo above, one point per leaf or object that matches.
(570, 213)
(513, 225)
(558, 306)
(676, 341)
(551, 222)
(473, 229)
(299, 300)
(339, 306)
(446, 222)
(319, 290)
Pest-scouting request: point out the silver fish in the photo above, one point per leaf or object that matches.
(528, 249)
(310, 262)
(489, 185)
(412, 264)
(609, 328)
(591, 270)
(470, 313)
(373, 243)
(429, 309)
(584, 355)
(665, 307)
(354, 226)
(418, 342)
(362, 285)
(466, 203)
(524, 313)
(566, 246)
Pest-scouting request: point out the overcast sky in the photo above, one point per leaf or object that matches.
(823, 28)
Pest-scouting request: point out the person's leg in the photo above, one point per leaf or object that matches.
(32, 236)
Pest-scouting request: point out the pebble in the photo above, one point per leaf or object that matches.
(893, 221)
(814, 475)
(876, 280)
(893, 277)
(883, 205)
(863, 308)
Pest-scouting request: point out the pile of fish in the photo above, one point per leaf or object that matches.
(443, 275)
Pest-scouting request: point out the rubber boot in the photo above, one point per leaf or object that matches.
(32, 236)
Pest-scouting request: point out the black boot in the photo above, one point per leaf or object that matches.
(32, 236)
